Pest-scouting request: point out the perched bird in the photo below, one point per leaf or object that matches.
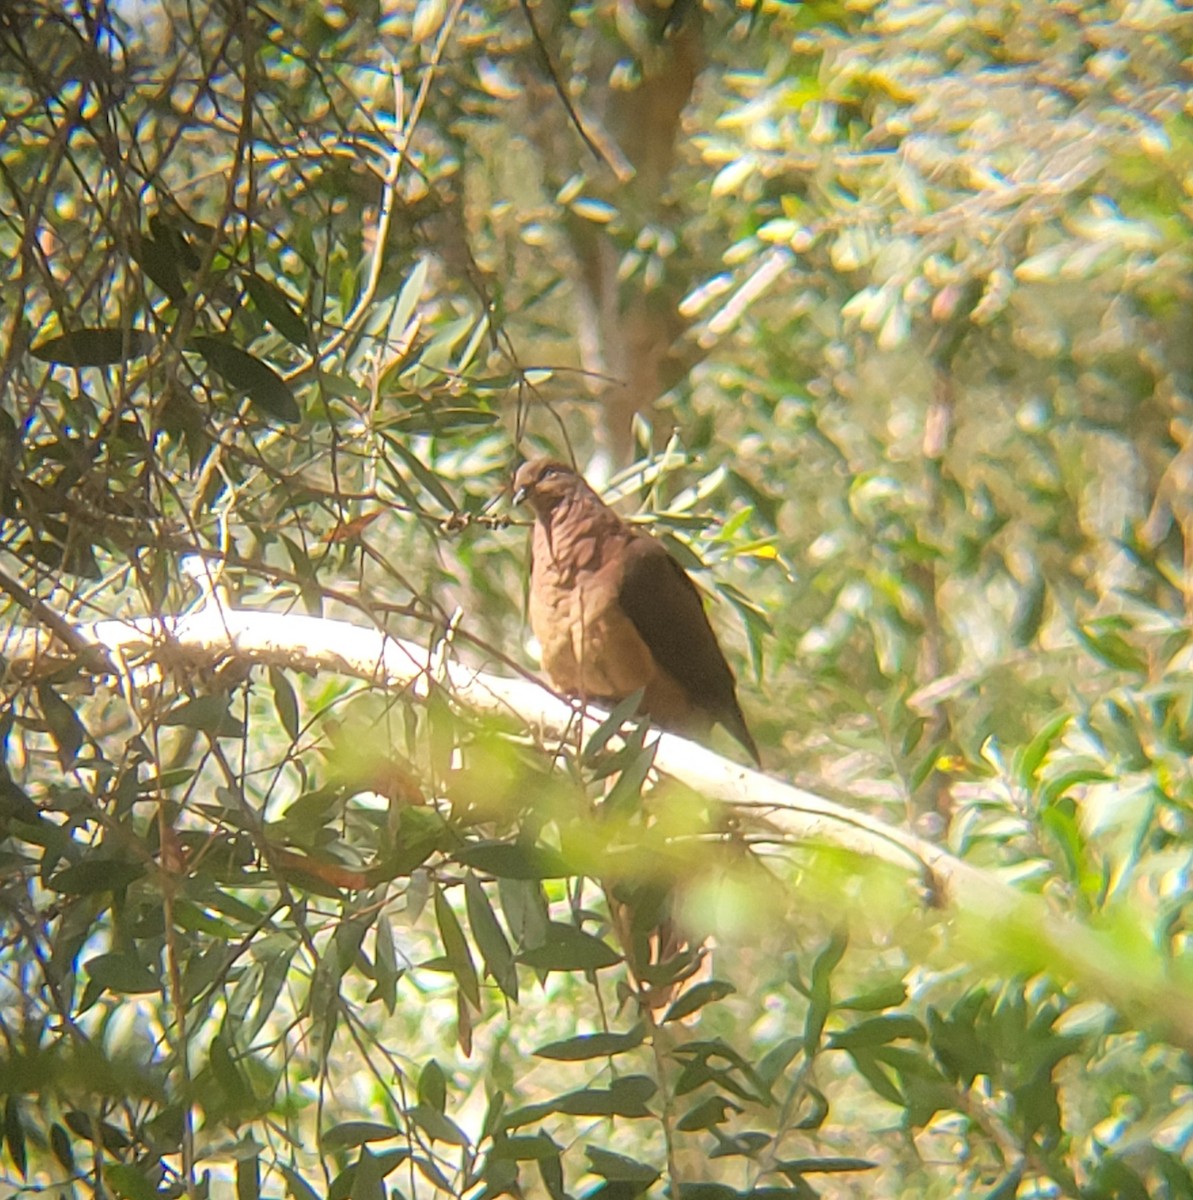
(614, 612)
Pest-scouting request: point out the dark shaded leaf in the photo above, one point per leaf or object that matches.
(94, 347)
(159, 260)
(490, 939)
(61, 1145)
(122, 972)
(297, 1187)
(618, 1167)
(593, 1045)
(64, 725)
(878, 1031)
(285, 701)
(567, 948)
(130, 1182)
(244, 372)
(823, 1166)
(385, 964)
(455, 949)
(14, 1135)
(367, 1180)
(707, 1114)
(278, 309)
(530, 1148)
(356, 1133)
(248, 1178)
(96, 875)
(697, 997)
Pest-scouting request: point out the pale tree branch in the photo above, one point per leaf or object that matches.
(989, 921)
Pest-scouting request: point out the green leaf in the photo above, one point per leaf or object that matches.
(63, 723)
(626, 794)
(159, 260)
(356, 1133)
(278, 309)
(248, 1178)
(513, 860)
(593, 1045)
(96, 875)
(823, 1166)
(697, 997)
(567, 948)
(297, 1187)
(385, 964)
(244, 372)
(618, 1167)
(130, 1182)
(208, 714)
(878, 1031)
(410, 295)
(367, 1180)
(1110, 647)
(869, 1068)
(432, 1087)
(1028, 760)
(14, 1135)
(622, 712)
(438, 1127)
(625, 1098)
(707, 1114)
(455, 949)
(60, 1143)
(284, 701)
(489, 937)
(777, 1059)
(94, 347)
(425, 476)
(122, 972)
(820, 992)
(531, 1148)
(888, 995)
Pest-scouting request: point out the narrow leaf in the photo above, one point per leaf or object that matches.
(244, 372)
(491, 940)
(567, 948)
(455, 949)
(94, 347)
(697, 997)
(277, 308)
(593, 1045)
(285, 701)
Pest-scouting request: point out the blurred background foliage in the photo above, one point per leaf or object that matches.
(878, 312)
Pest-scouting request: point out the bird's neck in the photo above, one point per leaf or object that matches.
(579, 533)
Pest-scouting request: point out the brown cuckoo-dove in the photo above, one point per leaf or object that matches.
(615, 613)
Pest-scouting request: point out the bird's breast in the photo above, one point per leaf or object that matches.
(590, 648)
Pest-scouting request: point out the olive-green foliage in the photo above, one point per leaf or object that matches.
(289, 287)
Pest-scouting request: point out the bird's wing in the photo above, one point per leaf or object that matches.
(665, 607)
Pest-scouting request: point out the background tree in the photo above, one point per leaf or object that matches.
(877, 313)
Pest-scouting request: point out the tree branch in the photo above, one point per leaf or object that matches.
(989, 921)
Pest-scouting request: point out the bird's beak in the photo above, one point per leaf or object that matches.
(520, 494)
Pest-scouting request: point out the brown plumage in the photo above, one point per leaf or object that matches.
(614, 612)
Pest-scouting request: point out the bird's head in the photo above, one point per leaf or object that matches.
(544, 483)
